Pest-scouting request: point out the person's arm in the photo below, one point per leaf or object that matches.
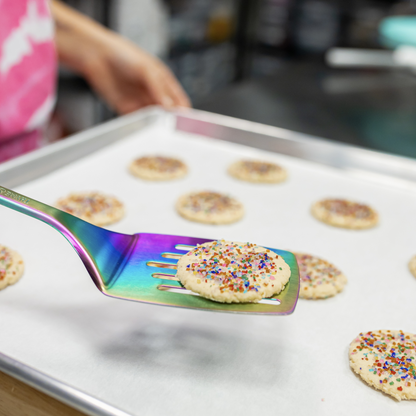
(124, 75)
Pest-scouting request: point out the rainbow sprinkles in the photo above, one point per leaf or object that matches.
(232, 272)
(11, 267)
(386, 360)
(209, 207)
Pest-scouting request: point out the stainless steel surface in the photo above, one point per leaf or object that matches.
(43, 161)
(394, 170)
(55, 388)
(351, 58)
(403, 57)
(382, 166)
(375, 165)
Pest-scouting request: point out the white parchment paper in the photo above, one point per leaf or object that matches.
(150, 360)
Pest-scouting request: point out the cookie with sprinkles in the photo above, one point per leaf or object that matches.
(231, 272)
(319, 279)
(94, 207)
(412, 266)
(158, 168)
(257, 171)
(385, 359)
(210, 207)
(345, 214)
(11, 267)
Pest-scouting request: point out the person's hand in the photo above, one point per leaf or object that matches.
(125, 76)
(128, 78)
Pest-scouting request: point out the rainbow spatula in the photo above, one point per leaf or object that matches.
(142, 267)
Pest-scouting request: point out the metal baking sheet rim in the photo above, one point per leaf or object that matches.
(60, 391)
(398, 171)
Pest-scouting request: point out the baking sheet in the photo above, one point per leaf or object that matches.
(149, 360)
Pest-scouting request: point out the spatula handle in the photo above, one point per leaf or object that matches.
(66, 224)
(33, 208)
(101, 250)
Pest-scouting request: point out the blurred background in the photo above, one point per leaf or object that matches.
(265, 61)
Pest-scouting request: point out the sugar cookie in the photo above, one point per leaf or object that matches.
(386, 360)
(93, 207)
(230, 272)
(346, 214)
(412, 265)
(319, 279)
(158, 168)
(11, 267)
(210, 207)
(257, 171)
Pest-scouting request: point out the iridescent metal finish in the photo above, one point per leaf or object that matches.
(142, 267)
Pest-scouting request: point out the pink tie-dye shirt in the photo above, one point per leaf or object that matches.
(27, 74)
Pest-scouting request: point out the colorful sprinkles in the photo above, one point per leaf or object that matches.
(257, 171)
(94, 207)
(211, 202)
(390, 357)
(347, 208)
(6, 261)
(159, 164)
(228, 271)
(260, 168)
(11, 266)
(234, 267)
(345, 214)
(210, 207)
(318, 277)
(87, 205)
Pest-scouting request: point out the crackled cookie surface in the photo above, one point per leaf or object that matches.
(94, 207)
(385, 359)
(158, 168)
(319, 279)
(344, 213)
(11, 266)
(210, 207)
(257, 171)
(231, 272)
